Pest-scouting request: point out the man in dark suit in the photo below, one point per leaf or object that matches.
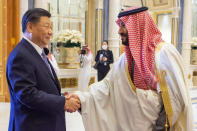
(36, 101)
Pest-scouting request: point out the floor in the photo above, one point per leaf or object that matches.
(4, 116)
(72, 119)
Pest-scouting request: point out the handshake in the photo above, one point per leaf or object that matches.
(72, 103)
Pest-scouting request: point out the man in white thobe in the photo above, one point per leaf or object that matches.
(85, 70)
(146, 89)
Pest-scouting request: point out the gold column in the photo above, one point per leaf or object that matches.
(3, 42)
(98, 29)
(90, 25)
(9, 36)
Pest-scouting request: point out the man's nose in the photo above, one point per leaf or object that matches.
(50, 32)
(119, 32)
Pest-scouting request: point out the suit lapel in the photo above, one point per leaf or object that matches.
(55, 77)
(41, 61)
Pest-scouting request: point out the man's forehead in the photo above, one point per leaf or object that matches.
(45, 19)
(48, 23)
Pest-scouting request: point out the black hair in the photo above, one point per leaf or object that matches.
(105, 41)
(33, 15)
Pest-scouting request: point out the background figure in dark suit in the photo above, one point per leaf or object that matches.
(104, 58)
(36, 102)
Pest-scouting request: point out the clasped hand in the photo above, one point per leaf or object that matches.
(72, 104)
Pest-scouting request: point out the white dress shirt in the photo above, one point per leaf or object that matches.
(38, 49)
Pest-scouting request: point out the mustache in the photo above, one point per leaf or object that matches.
(123, 34)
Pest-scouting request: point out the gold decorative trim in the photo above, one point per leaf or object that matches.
(98, 33)
(68, 82)
(159, 4)
(1, 84)
(92, 80)
(68, 65)
(87, 23)
(129, 78)
(2, 98)
(164, 90)
(165, 96)
(100, 26)
(72, 82)
(173, 30)
(189, 76)
(156, 13)
(159, 46)
(122, 50)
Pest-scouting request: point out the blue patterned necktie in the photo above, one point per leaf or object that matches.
(44, 57)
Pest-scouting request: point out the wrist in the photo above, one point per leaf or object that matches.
(66, 100)
(67, 103)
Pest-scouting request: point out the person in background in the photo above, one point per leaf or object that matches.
(103, 60)
(51, 59)
(35, 93)
(86, 60)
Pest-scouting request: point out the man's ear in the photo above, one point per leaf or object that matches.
(29, 27)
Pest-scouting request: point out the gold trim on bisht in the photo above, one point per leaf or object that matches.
(129, 78)
(164, 90)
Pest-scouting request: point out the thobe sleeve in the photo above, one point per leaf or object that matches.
(88, 58)
(170, 67)
(96, 106)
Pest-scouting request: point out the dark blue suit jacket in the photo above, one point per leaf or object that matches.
(36, 102)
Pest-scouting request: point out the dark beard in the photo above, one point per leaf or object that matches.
(126, 42)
